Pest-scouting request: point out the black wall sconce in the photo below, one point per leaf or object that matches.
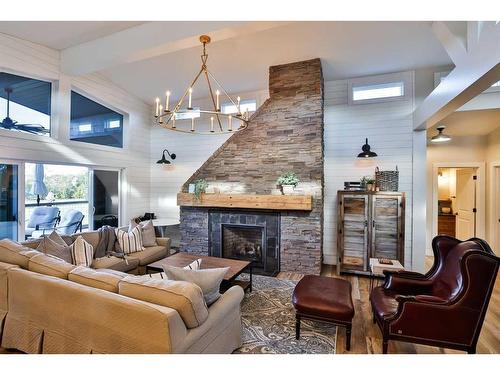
(366, 151)
(164, 160)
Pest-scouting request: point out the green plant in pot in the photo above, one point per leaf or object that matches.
(200, 186)
(368, 183)
(287, 181)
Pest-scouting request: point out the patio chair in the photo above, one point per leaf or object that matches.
(42, 217)
(70, 223)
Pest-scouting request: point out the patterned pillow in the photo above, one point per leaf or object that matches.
(82, 252)
(130, 242)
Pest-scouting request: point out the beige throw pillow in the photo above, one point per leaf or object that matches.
(208, 280)
(194, 265)
(147, 231)
(51, 247)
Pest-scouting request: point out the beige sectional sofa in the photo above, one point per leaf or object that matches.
(134, 263)
(50, 306)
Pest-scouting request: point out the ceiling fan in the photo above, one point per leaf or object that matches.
(10, 124)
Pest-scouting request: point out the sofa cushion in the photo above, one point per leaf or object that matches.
(114, 263)
(208, 280)
(149, 255)
(14, 253)
(51, 247)
(91, 237)
(186, 298)
(50, 265)
(96, 279)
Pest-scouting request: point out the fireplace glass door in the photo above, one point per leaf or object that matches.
(243, 242)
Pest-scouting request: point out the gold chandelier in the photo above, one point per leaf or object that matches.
(191, 120)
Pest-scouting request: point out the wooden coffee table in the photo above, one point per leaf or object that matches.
(182, 259)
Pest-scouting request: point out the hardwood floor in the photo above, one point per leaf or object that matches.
(366, 337)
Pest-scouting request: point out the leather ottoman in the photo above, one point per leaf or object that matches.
(324, 299)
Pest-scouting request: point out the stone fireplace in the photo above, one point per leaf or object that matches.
(247, 235)
(284, 134)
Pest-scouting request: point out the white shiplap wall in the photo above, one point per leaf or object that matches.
(25, 58)
(388, 126)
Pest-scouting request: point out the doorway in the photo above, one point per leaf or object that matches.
(459, 201)
(10, 199)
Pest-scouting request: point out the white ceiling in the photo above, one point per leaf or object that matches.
(469, 123)
(62, 34)
(347, 49)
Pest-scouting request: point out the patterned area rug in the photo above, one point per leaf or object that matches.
(268, 321)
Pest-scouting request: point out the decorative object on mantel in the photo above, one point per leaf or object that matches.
(200, 186)
(255, 201)
(440, 137)
(164, 160)
(220, 123)
(366, 151)
(368, 183)
(287, 182)
(387, 180)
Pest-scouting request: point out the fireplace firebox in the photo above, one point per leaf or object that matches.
(246, 235)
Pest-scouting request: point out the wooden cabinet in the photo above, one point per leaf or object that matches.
(446, 225)
(370, 225)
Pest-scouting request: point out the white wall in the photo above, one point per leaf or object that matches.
(388, 126)
(25, 58)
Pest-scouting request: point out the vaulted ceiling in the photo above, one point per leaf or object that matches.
(240, 54)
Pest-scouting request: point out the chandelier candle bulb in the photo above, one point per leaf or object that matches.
(217, 106)
(238, 99)
(190, 98)
(173, 121)
(192, 124)
(230, 123)
(157, 113)
(167, 101)
(161, 110)
(212, 124)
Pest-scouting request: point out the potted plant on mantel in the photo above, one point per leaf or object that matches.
(287, 182)
(200, 186)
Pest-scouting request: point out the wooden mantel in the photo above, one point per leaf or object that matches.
(253, 201)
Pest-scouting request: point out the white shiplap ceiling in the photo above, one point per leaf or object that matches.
(347, 49)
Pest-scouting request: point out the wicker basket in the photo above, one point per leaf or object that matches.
(387, 180)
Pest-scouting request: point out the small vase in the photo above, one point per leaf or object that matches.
(287, 189)
(369, 187)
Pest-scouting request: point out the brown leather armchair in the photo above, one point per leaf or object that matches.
(446, 306)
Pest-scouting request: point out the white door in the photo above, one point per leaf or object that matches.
(465, 203)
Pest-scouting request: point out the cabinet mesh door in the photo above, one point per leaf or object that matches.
(354, 236)
(385, 227)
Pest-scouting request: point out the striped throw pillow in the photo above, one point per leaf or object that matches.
(130, 242)
(82, 252)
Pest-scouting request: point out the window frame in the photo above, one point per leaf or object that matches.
(53, 125)
(404, 78)
(125, 122)
(246, 101)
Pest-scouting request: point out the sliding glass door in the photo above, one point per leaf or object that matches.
(9, 200)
